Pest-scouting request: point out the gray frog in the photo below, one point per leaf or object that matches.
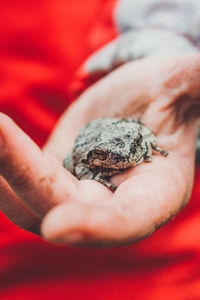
(106, 147)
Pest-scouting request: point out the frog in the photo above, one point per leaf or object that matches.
(106, 147)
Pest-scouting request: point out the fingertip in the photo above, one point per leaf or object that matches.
(72, 223)
(3, 117)
(12, 137)
(5, 122)
(84, 225)
(59, 220)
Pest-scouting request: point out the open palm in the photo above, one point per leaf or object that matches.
(164, 94)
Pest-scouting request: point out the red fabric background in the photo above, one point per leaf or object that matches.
(42, 43)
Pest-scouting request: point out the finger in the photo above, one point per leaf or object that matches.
(16, 210)
(86, 225)
(38, 180)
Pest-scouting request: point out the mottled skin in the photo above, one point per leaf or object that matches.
(106, 147)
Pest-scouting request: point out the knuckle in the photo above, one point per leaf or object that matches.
(21, 180)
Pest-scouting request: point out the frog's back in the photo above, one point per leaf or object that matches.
(98, 132)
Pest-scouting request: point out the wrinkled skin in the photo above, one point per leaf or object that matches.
(36, 190)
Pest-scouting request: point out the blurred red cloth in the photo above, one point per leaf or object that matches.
(42, 44)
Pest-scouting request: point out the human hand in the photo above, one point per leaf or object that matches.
(164, 94)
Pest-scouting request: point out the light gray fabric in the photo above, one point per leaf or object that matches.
(135, 44)
(182, 16)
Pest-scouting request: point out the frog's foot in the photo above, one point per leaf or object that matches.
(105, 182)
(140, 160)
(148, 158)
(82, 172)
(158, 149)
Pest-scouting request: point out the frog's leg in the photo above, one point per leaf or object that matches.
(83, 172)
(105, 182)
(148, 153)
(158, 149)
(103, 176)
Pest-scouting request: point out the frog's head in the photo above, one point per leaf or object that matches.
(118, 153)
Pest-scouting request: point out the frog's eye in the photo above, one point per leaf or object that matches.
(98, 154)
